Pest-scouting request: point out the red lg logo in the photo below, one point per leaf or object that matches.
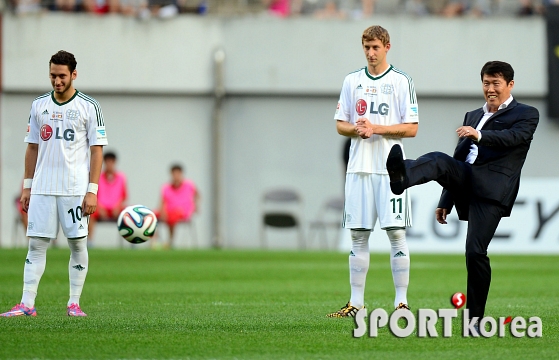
(361, 107)
(46, 132)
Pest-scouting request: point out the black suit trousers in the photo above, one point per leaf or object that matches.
(483, 218)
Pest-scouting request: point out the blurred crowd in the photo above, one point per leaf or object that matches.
(324, 9)
(445, 8)
(139, 8)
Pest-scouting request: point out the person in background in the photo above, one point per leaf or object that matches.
(280, 8)
(179, 201)
(101, 7)
(112, 195)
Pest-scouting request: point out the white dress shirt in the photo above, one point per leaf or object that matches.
(472, 156)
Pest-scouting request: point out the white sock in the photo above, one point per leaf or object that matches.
(358, 265)
(34, 268)
(400, 264)
(77, 269)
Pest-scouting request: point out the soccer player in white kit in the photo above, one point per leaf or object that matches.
(65, 139)
(377, 108)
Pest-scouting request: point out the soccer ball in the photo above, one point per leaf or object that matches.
(136, 224)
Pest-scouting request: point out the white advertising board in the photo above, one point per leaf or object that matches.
(532, 228)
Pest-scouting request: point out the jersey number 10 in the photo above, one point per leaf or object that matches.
(76, 214)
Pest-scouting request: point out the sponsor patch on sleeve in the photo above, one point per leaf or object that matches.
(101, 133)
(413, 113)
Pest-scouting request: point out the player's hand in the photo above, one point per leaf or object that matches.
(24, 200)
(440, 215)
(89, 203)
(364, 128)
(467, 132)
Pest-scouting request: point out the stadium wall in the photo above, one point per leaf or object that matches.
(154, 81)
(268, 55)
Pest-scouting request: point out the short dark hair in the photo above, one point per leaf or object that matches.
(109, 155)
(176, 167)
(64, 58)
(495, 68)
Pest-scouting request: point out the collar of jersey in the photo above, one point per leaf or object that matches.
(64, 103)
(378, 77)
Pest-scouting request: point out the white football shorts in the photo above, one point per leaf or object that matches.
(368, 197)
(47, 211)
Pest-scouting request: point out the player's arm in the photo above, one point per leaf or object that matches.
(31, 155)
(393, 131)
(97, 138)
(343, 112)
(95, 164)
(346, 129)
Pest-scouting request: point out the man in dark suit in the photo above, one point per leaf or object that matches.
(483, 177)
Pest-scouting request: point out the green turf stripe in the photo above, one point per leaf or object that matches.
(253, 304)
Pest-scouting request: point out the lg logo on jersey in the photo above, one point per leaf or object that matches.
(46, 133)
(361, 108)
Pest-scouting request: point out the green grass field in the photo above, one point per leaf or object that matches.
(260, 305)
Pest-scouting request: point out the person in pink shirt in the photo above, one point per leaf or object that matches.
(179, 201)
(112, 193)
(279, 8)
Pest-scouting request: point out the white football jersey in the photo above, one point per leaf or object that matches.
(386, 99)
(64, 133)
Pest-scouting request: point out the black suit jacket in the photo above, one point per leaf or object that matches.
(505, 141)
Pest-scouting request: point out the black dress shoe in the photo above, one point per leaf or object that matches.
(397, 170)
